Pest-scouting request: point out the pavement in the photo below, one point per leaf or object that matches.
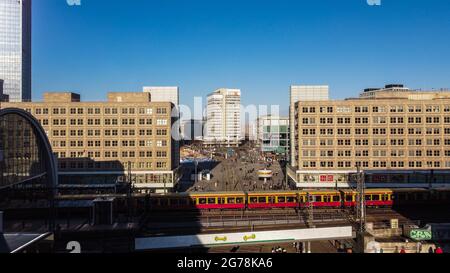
(240, 173)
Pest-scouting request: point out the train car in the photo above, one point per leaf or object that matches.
(379, 198)
(269, 200)
(226, 200)
(441, 196)
(348, 198)
(170, 202)
(407, 197)
(321, 199)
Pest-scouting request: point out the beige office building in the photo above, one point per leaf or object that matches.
(398, 137)
(127, 137)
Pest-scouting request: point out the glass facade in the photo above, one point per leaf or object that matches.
(15, 49)
(22, 153)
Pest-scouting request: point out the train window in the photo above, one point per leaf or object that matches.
(317, 198)
(221, 201)
(375, 198)
(336, 199)
(163, 202)
(183, 202)
(239, 200)
(231, 200)
(281, 199)
(253, 200)
(202, 201)
(368, 197)
(211, 201)
(349, 198)
(262, 200)
(272, 200)
(174, 202)
(154, 202)
(385, 197)
(327, 199)
(290, 200)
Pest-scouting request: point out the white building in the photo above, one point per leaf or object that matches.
(223, 118)
(303, 93)
(164, 94)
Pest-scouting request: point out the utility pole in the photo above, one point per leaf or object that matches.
(310, 218)
(129, 193)
(360, 210)
(361, 201)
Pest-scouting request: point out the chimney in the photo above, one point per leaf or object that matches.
(1, 222)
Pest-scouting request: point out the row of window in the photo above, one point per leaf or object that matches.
(112, 154)
(110, 165)
(98, 111)
(375, 164)
(375, 142)
(376, 153)
(97, 133)
(97, 122)
(380, 109)
(376, 131)
(108, 143)
(376, 120)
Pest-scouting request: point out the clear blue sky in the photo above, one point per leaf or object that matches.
(259, 46)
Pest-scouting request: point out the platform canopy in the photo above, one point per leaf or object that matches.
(244, 238)
(18, 242)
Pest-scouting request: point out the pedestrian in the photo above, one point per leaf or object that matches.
(403, 251)
(439, 250)
(430, 250)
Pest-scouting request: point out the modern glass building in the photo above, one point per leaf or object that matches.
(273, 134)
(15, 49)
(26, 157)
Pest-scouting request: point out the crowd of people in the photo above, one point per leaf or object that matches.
(279, 250)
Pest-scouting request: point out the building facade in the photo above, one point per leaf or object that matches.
(223, 118)
(3, 97)
(124, 139)
(302, 93)
(273, 134)
(15, 49)
(164, 94)
(399, 138)
(192, 130)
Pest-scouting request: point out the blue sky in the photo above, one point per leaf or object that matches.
(259, 46)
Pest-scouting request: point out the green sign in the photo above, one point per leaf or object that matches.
(421, 235)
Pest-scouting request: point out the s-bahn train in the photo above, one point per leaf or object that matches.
(282, 199)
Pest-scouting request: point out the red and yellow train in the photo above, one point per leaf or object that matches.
(290, 199)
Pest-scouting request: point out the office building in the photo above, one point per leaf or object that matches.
(15, 49)
(124, 139)
(223, 118)
(398, 137)
(192, 130)
(3, 97)
(164, 94)
(303, 93)
(273, 134)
